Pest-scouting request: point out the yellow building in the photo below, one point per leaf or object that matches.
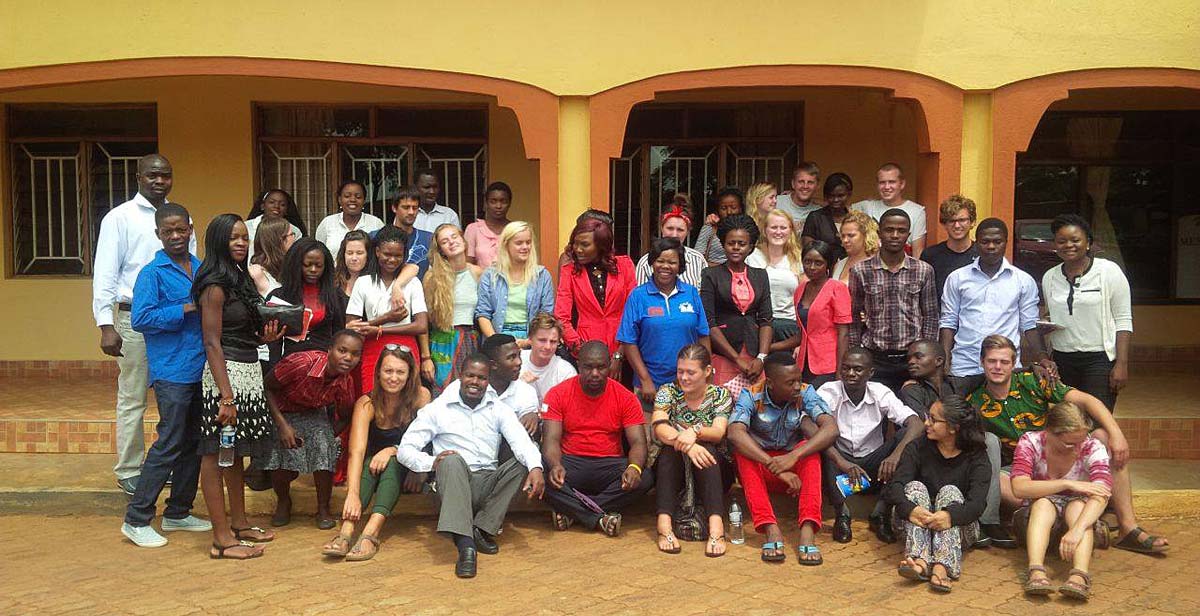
(1030, 108)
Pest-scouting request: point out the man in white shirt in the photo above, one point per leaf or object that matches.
(127, 242)
(542, 367)
(432, 215)
(502, 349)
(799, 203)
(465, 426)
(860, 408)
(676, 224)
(890, 182)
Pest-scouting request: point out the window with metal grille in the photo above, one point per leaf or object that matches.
(308, 150)
(70, 165)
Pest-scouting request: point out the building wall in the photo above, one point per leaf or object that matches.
(204, 127)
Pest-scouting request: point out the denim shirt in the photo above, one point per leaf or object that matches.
(174, 347)
(773, 427)
(493, 296)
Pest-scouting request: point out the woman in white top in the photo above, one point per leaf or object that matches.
(351, 196)
(1088, 299)
(370, 311)
(860, 238)
(274, 203)
(451, 292)
(779, 253)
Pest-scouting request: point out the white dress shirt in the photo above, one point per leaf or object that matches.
(333, 229)
(474, 433)
(520, 396)
(693, 260)
(858, 424)
(127, 242)
(977, 306)
(440, 215)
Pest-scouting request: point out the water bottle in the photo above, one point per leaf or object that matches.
(228, 437)
(737, 535)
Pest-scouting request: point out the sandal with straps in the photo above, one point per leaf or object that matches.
(1038, 588)
(269, 536)
(358, 554)
(339, 546)
(673, 547)
(1075, 590)
(255, 551)
(1145, 546)
(712, 543)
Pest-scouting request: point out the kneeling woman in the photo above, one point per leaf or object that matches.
(380, 419)
(1063, 474)
(690, 417)
(940, 489)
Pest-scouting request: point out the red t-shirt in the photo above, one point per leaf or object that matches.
(592, 427)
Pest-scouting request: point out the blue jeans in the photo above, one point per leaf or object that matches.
(173, 456)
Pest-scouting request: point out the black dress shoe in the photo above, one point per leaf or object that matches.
(841, 528)
(882, 528)
(465, 567)
(998, 536)
(485, 544)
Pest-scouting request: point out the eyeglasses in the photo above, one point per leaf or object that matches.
(391, 346)
(959, 221)
(930, 420)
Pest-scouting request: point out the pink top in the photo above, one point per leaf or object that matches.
(481, 243)
(741, 290)
(1091, 461)
(818, 341)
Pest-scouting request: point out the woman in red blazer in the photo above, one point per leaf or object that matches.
(823, 312)
(592, 289)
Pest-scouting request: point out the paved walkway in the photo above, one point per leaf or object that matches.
(82, 565)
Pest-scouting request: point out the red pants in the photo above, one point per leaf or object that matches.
(758, 482)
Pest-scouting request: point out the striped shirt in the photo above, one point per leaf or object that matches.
(1091, 462)
(892, 309)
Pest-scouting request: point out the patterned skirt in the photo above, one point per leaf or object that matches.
(318, 453)
(255, 430)
(449, 349)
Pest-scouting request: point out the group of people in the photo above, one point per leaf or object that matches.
(816, 349)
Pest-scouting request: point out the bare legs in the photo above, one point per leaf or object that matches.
(213, 481)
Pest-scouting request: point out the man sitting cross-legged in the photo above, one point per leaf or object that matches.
(591, 477)
(465, 425)
(778, 429)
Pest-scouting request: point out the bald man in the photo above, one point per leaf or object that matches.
(127, 242)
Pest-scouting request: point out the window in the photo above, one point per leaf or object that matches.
(69, 165)
(697, 150)
(308, 150)
(1125, 172)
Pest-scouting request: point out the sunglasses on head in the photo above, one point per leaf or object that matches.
(391, 346)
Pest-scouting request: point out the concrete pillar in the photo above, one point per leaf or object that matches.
(574, 165)
(976, 182)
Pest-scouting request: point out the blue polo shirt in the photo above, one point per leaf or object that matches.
(174, 349)
(659, 326)
(418, 249)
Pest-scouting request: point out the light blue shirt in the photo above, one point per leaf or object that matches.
(976, 306)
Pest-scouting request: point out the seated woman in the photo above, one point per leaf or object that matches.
(690, 417)
(451, 287)
(939, 490)
(1063, 474)
(380, 419)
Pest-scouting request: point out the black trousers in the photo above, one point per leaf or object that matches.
(1088, 372)
(600, 480)
(708, 484)
(869, 463)
(891, 369)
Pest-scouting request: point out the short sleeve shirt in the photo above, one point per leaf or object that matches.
(1023, 410)
(775, 427)
(660, 326)
(481, 243)
(592, 427)
(670, 400)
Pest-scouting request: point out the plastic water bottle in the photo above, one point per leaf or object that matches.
(228, 438)
(737, 534)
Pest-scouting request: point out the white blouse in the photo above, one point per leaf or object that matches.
(370, 299)
(1099, 309)
(783, 284)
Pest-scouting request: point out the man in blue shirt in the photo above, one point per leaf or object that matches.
(987, 297)
(778, 429)
(419, 242)
(164, 314)
(661, 317)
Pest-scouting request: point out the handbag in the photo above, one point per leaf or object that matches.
(690, 520)
(291, 318)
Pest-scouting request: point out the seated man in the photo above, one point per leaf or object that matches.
(927, 367)
(520, 396)
(1013, 403)
(542, 367)
(860, 407)
(591, 478)
(769, 430)
(465, 425)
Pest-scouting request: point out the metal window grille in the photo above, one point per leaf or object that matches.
(463, 176)
(750, 169)
(383, 170)
(304, 171)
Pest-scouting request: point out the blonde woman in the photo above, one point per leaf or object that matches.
(779, 253)
(451, 293)
(760, 201)
(860, 238)
(516, 288)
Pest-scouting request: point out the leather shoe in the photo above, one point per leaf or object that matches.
(882, 528)
(485, 544)
(465, 567)
(841, 528)
(998, 536)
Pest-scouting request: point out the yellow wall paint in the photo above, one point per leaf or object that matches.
(205, 129)
(976, 180)
(574, 166)
(576, 47)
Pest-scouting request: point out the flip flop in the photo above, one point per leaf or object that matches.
(801, 550)
(773, 558)
(712, 542)
(909, 572)
(240, 544)
(938, 583)
(237, 532)
(674, 547)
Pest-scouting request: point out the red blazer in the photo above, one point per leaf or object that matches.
(583, 318)
(818, 341)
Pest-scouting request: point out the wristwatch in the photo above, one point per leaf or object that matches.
(761, 356)
(618, 356)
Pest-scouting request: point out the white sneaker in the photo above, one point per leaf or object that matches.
(143, 536)
(190, 523)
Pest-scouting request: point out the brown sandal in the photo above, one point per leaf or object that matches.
(1075, 590)
(1037, 588)
(255, 551)
(338, 547)
(264, 535)
(358, 554)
